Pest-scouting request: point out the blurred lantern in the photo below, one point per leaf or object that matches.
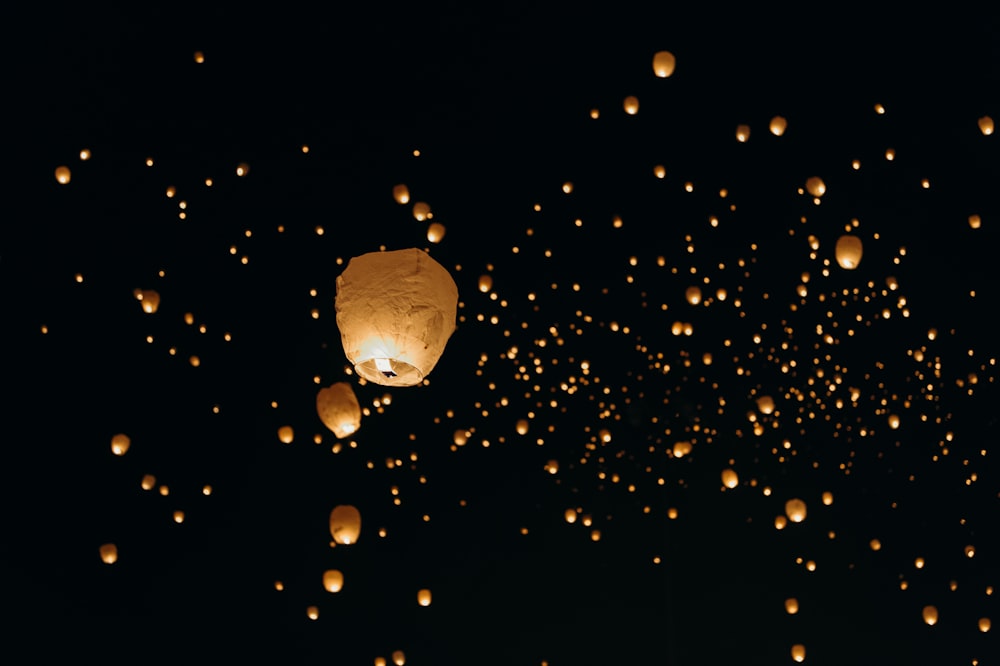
(380, 661)
(312, 612)
(815, 186)
(120, 444)
(338, 409)
(149, 299)
(681, 449)
(778, 125)
(62, 174)
(286, 434)
(485, 283)
(975, 221)
(109, 553)
(799, 652)
(435, 232)
(986, 125)
(984, 624)
(345, 524)
(401, 193)
(795, 509)
(791, 605)
(730, 479)
(242, 169)
(421, 211)
(461, 437)
(333, 580)
(396, 311)
(424, 597)
(522, 426)
(660, 171)
(631, 105)
(930, 615)
(552, 466)
(664, 63)
(570, 516)
(848, 251)
(693, 295)
(894, 421)
(398, 658)
(765, 404)
(742, 133)
(827, 498)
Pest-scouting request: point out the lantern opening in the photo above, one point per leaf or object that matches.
(384, 366)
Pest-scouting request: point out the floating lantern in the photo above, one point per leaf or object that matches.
(338, 409)
(149, 299)
(778, 125)
(63, 174)
(424, 597)
(730, 479)
(930, 615)
(345, 524)
(435, 232)
(986, 125)
(815, 186)
(333, 580)
(631, 105)
(120, 444)
(848, 251)
(799, 653)
(401, 193)
(396, 311)
(693, 294)
(795, 509)
(664, 63)
(109, 553)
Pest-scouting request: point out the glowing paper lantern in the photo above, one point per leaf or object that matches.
(424, 597)
(791, 605)
(631, 105)
(485, 283)
(795, 509)
(664, 63)
(398, 658)
(338, 409)
(815, 186)
(63, 174)
(730, 479)
(333, 580)
(435, 232)
(345, 524)
(778, 125)
(799, 652)
(401, 193)
(149, 299)
(930, 615)
(396, 311)
(120, 444)
(286, 434)
(693, 295)
(975, 221)
(986, 125)
(848, 251)
(765, 404)
(742, 133)
(109, 553)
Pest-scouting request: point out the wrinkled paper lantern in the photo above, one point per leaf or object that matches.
(396, 311)
(338, 409)
(345, 524)
(848, 251)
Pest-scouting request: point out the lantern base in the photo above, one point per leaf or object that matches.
(398, 373)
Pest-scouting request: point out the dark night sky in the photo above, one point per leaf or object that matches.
(498, 102)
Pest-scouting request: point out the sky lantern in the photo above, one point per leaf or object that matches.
(799, 652)
(815, 186)
(930, 615)
(570, 516)
(109, 553)
(398, 658)
(435, 232)
(421, 211)
(791, 605)
(63, 174)
(333, 580)
(396, 311)
(848, 251)
(149, 299)
(742, 133)
(984, 624)
(975, 221)
(522, 426)
(345, 524)
(765, 404)
(485, 282)
(338, 409)
(795, 509)
(986, 125)
(693, 295)
(778, 125)
(401, 193)
(664, 63)
(286, 434)
(631, 105)
(120, 444)
(424, 597)
(730, 479)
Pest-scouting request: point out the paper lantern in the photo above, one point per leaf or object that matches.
(424, 597)
(333, 580)
(930, 615)
(795, 509)
(109, 553)
(396, 311)
(693, 295)
(631, 105)
(799, 652)
(435, 232)
(848, 251)
(401, 193)
(149, 299)
(664, 63)
(345, 524)
(338, 409)
(63, 174)
(120, 444)
(778, 125)
(986, 125)
(398, 658)
(815, 186)
(730, 479)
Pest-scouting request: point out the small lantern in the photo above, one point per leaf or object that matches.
(396, 311)
(333, 580)
(338, 409)
(848, 251)
(345, 524)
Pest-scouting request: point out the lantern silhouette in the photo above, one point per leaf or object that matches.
(396, 311)
(848, 251)
(345, 524)
(338, 409)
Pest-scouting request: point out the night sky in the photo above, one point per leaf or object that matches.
(234, 162)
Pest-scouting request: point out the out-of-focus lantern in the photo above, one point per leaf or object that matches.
(930, 615)
(631, 105)
(149, 299)
(815, 186)
(848, 251)
(333, 580)
(778, 125)
(63, 174)
(664, 63)
(401, 193)
(730, 479)
(522, 426)
(799, 652)
(396, 311)
(795, 509)
(338, 409)
(984, 624)
(424, 597)
(345, 524)
(421, 211)
(765, 404)
(120, 444)
(485, 282)
(693, 294)
(742, 133)
(312, 612)
(109, 553)
(435, 232)
(286, 434)
(570, 516)
(682, 448)
(975, 221)
(986, 125)
(398, 658)
(791, 605)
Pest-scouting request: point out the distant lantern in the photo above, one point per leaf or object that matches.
(109, 553)
(827, 498)
(791, 605)
(894, 421)
(63, 174)
(401, 193)
(242, 169)
(286, 434)
(986, 125)
(120, 444)
(396, 311)
(345, 524)
(338, 409)
(848, 251)
(730, 479)
(660, 171)
(799, 652)
(975, 221)
(485, 283)
(631, 105)
(778, 125)
(765, 404)
(333, 580)
(312, 612)
(693, 294)
(664, 63)
(552, 466)
(435, 232)
(398, 658)
(682, 448)
(149, 299)
(815, 186)
(930, 615)
(742, 133)
(984, 624)
(795, 509)
(421, 211)
(424, 597)
(570, 516)
(522, 426)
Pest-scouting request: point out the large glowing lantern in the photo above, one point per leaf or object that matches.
(664, 63)
(848, 251)
(795, 509)
(338, 409)
(930, 615)
(424, 597)
(396, 311)
(345, 524)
